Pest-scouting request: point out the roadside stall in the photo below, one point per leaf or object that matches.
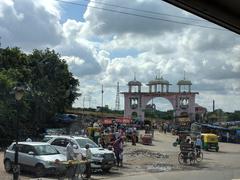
(124, 122)
(107, 135)
(146, 139)
(72, 167)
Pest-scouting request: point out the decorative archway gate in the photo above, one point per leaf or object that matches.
(183, 102)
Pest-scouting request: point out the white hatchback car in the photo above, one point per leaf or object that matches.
(38, 157)
(101, 158)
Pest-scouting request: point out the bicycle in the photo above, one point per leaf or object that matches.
(199, 155)
(189, 154)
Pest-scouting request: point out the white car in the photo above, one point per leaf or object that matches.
(101, 158)
(38, 157)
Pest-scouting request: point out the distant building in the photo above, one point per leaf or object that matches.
(201, 113)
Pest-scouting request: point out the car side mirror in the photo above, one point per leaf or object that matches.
(31, 153)
(75, 146)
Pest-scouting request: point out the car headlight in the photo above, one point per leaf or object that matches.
(98, 155)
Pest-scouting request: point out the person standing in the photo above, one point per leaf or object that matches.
(121, 152)
(227, 135)
(118, 149)
(134, 138)
(101, 141)
(70, 151)
(71, 156)
(165, 128)
(88, 163)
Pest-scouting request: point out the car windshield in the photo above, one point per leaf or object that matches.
(45, 150)
(83, 142)
(46, 139)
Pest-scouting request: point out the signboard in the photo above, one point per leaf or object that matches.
(124, 120)
(107, 121)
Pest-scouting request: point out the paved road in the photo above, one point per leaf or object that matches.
(222, 165)
(188, 175)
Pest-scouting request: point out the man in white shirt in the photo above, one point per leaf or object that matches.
(71, 156)
(70, 152)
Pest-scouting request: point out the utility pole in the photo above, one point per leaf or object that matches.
(89, 101)
(213, 105)
(0, 41)
(102, 101)
(83, 107)
(117, 102)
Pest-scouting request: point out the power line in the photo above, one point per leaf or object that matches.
(141, 16)
(145, 11)
(102, 101)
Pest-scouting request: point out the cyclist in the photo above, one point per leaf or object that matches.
(198, 144)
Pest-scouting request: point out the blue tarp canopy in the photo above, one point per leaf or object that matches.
(66, 118)
(214, 127)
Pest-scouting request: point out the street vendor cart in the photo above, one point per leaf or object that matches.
(73, 168)
(146, 139)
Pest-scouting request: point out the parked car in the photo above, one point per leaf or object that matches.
(66, 118)
(38, 157)
(101, 158)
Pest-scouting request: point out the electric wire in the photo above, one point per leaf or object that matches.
(145, 11)
(141, 16)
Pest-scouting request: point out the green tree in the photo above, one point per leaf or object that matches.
(51, 88)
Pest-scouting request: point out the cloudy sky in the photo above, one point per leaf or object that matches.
(105, 42)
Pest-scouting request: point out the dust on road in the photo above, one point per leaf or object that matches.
(159, 157)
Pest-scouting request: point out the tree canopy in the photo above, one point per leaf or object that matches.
(50, 88)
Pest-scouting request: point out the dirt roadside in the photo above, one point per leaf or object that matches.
(159, 157)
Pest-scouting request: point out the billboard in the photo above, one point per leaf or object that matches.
(123, 120)
(107, 121)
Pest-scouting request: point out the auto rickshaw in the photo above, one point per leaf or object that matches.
(210, 141)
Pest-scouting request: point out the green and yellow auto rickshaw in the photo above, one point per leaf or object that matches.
(209, 141)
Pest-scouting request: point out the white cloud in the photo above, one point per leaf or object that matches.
(29, 24)
(94, 48)
(80, 58)
(72, 28)
(105, 22)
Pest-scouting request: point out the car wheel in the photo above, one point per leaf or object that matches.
(181, 158)
(39, 170)
(8, 165)
(106, 170)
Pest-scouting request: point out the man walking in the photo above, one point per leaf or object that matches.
(118, 150)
